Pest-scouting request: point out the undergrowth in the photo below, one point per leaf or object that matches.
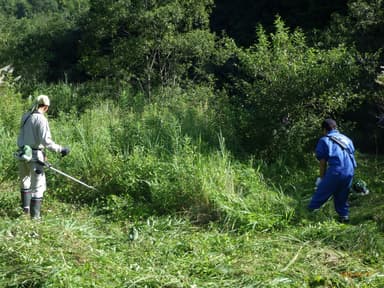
(175, 209)
(73, 247)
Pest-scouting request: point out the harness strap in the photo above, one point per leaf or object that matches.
(338, 141)
(344, 147)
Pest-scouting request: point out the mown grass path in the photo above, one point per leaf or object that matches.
(72, 247)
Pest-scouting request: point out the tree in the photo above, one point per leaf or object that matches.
(43, 49)
(280, 90)
(27, 8)
(363, 26)
(153, 42)
(41, 42)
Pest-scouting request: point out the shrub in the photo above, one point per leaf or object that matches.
(281, 89)
(144, 164)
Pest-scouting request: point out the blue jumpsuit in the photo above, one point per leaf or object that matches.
(338, 177)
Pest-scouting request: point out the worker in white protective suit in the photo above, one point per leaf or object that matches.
(34, 137)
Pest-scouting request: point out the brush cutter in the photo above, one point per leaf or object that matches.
(49, 166)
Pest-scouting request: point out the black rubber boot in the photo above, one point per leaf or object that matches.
(36, 208)
(26, 195)
(344, 219)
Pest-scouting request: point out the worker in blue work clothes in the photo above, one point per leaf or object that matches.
(335, 153)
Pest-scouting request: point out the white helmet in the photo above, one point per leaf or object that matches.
(42, 100)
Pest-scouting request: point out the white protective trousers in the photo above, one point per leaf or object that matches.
(32, 175)
(35, 132)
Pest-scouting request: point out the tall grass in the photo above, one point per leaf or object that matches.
(156, 158)
(11, 109)
(148, 163)
(177, 210)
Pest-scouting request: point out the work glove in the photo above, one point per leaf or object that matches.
(318, 180)
(64, 151)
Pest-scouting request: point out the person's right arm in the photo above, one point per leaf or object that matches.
(44, 134)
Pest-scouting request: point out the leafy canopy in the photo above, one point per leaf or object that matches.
(280, 89)
(149, 42)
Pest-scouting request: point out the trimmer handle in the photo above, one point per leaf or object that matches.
(43, 163)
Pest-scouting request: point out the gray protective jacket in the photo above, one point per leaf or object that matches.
(35, 132)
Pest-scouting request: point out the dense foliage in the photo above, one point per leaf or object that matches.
(151, 43)
(174, 81)
(199, 142)
(172, 209)
(297, 76)
(280, 88)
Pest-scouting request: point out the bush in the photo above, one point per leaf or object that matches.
(280, 90)
(145, 164)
